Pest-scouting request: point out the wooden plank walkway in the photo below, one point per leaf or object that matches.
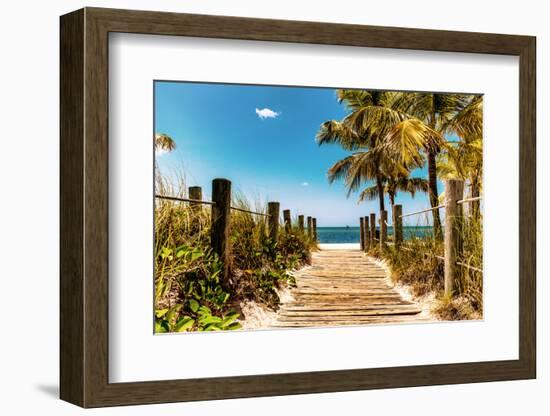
(344, 287)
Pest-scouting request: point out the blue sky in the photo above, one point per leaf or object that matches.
(262, 138)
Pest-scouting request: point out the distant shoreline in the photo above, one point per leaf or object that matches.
(351, 235)
(356, 227)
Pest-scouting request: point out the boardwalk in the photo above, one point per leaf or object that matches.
(344, 287)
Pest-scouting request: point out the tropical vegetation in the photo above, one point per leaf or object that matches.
(190, 294)
(391, 136)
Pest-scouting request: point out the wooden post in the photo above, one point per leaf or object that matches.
(397, 224)
(309, 228)
(383, 229)
(273, 211)
(314, 223)
(475, 206)
(301, 223)
(454, 190)
(373, 227)
(219, 229)
(195, 192)
(366, 233)
(362, 233)
(288, 221)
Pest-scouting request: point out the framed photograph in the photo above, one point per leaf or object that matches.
(257, 207)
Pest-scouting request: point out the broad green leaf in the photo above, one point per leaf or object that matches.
(210, 320)
(159, 328)
(205, 310)
(194, 305)
(184, 324)
(212, 327)
(161, 312)
(234, 326)
(165, 252)
(196, 254)
(230, 318)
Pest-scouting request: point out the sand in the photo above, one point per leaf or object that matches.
(339, 246)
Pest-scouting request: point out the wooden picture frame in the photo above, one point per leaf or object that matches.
(84, 207)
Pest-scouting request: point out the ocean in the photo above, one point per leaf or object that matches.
(333, 235)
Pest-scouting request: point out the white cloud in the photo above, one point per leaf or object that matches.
(267, 113)
(305, 183)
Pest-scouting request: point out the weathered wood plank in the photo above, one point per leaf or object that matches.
(344, 308)
(344, 287)
(335, 315)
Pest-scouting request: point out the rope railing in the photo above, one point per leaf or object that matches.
(176, 198)
(421, 212)
(250, 212)
(441, 258)
(220, 223)
(200, 201)
(469, 267)
(462, 201)
(452, 238)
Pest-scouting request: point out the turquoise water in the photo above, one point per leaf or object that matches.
(351, 234)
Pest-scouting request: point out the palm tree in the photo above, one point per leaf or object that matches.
(371, 118)
(465, 159)
(393, 185)
(430, 114)
(358, 168)
(164, 142)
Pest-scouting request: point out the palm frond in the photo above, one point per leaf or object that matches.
(340, 169)
(412, 185)
(355, 170)
(335, 132)
(408, 139)
(467, 123)
(354, 99)
(164, 142)
(368, 194)
(376, 120)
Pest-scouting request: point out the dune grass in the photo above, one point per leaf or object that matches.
(189, 292)
(416, 264)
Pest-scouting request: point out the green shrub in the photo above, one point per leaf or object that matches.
(189, 292)
(417, 263)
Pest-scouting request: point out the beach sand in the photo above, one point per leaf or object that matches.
(339, 246)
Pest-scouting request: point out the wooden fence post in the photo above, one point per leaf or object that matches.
(273, 212)
(309, 228)
(288, 221)
(373, 227)
(219, 229)
(366, 233)
(383, 229)
(314, 223)
(195, 192)
(362, 233)
(301, 223)
(454, 190)
(397, 224)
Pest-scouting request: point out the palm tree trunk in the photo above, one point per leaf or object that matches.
(432, 188)
(392, 200)
(380, 187)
